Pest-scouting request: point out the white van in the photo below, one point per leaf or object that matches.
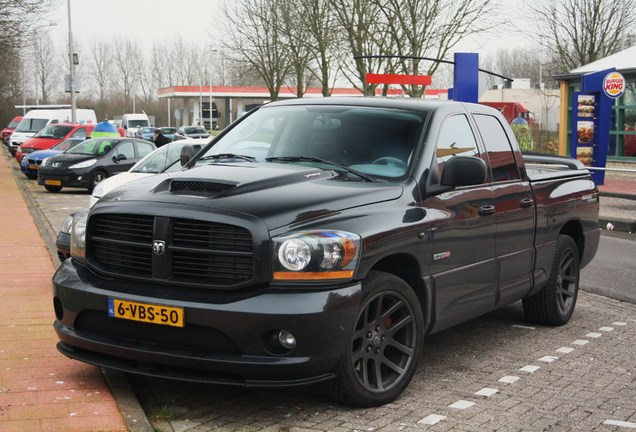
(132, 122)
(36, 119)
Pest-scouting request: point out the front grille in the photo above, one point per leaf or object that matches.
(177, 251)
(203, 340)
(199, 188)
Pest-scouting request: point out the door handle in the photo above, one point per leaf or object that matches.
(526, 202)
(486, 210)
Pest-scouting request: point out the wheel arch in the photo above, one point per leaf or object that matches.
(406, 267)
(574, 229)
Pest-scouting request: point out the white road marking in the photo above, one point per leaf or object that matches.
(461, 405)
(530, 369)
(432, 419)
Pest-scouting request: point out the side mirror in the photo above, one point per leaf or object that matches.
(186, 154)
(464, 171)
(119, 157)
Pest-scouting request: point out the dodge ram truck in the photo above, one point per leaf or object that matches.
(321, 241)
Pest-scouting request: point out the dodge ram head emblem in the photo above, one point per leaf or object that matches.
(159, 247)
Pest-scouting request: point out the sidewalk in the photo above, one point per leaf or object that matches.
(40, 389)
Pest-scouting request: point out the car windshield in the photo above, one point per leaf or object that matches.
(137, 123)
(66, 144)
(97, 147)
(169, 131)
(158, 160)
(12, 124)
(194, 130)
(353, 140)
(31, 125)
(145, 130)
(54, 131)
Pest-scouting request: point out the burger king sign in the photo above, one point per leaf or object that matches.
(614, 85)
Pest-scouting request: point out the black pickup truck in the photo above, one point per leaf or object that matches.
(322, 241)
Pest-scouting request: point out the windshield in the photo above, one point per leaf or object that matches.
(54, 131)
(31, 125)
(66, 144)
(97, 147)
(12, 124)
(158, 160)
(378, 142)
(145, 130)
(168, 131)
(195, 130)
(137, 123)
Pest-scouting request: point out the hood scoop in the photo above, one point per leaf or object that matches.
(200, 188)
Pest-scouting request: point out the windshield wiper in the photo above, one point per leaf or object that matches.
(228, 156)
(320, 160)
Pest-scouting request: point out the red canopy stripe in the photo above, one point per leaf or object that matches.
(398, 79)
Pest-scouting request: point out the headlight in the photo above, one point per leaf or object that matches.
(78, 234)
(316, 255)
(67, 224)
(84, 164)
(45, 161)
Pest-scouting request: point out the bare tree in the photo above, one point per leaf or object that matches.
(295, 35)
(17, 20)
(128, 65)
(365, 34)
(577, 32)
(255, 36)
(430, 29)
(46, 67)
(101, 58)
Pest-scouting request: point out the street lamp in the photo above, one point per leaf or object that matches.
(72, 60)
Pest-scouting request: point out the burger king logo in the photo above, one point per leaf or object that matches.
(614, 85)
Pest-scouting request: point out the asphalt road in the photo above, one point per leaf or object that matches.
(496, 372)
(612, 273)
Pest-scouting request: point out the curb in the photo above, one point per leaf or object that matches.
(624, 225)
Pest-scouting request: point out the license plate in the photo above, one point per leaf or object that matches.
(144, 312)
(53, 182)
(33, 167)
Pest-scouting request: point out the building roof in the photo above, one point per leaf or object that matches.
(622, 60)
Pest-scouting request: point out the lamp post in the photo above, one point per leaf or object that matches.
(72, 60)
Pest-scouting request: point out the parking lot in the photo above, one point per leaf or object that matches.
(493, 373)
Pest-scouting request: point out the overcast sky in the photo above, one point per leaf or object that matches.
(194, 20)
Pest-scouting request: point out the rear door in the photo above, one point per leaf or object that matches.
(514, 211)
(463, 240)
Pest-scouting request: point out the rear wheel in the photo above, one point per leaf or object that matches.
(555, 304)
(53, 188)
(385, 344)
(97, 177)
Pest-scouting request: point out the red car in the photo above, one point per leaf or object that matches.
(51, 135)
(7, 131)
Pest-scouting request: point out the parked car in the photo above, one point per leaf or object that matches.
(30, 163)
(8, 130)
(166, 158)
(52, 135)
(322, 241)
(193, 132)
(170, 133)
(146, 133)
(90, 162)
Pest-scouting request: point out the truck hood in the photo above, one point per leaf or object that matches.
(279, 194)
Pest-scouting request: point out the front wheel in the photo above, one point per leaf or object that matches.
(385, 344)
(97, 178)
(554, 305)
(53, 188)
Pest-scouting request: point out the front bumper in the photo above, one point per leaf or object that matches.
(225, 340)
(78, 178)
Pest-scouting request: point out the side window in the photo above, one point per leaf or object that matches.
(80, 133)
(500, 153)
(456, 138)
(126, 149)
(144, 148)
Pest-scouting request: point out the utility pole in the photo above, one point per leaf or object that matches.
(72, 63)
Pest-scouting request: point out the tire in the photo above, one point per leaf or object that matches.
(554, 305)
(97, 177)
(31, 176)
(384, 349)
(53, 188)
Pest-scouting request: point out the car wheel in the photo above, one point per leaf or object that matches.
(97, 177)
(385, 344)
(53, 188)
(31, 176)
(554, 305)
